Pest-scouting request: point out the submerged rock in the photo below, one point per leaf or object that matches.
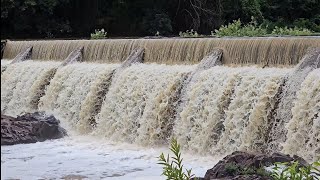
(247, 166)
(29, 128)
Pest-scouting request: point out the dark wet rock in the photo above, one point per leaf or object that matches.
(3, 45)
(29, 128)
(136, 56)
(23, 56)
(74, 56)
(248, 166)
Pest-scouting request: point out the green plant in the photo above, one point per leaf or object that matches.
(99, 34)
(263, 172)
(248, 171)
(173, 169)
(188, 33)
(291, 31)
(285, 171)
(237, 29)
(232, 169)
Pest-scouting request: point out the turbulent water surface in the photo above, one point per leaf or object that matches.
(89, 159)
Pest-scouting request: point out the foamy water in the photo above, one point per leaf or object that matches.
(223, 109)
(88, 158)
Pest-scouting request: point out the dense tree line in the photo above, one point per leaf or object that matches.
(77, 18)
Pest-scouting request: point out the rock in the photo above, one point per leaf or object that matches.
(242, 165)
(29, 128)
(75, 56)
(136, 56)
(23, 56)
(3, 45)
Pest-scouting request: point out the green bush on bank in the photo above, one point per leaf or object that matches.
(188, 33)
(237, 29)
(291, 31)
(99, 34)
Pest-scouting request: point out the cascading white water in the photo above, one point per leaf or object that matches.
(4, 64)
(220, 110)
(223, 109)
(17, 83)
(226, 109)
(303, 137)
(69, 88)
(246, 121)
(135, 99)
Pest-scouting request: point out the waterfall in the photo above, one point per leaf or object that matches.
(69, 88)
(17, 85)
(269, 51)
(304, 127)
(135, 101)
(210, 110)
(227, 109)
(4, 64)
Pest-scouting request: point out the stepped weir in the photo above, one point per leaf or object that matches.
(214, 95)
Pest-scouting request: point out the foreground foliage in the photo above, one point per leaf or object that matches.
(173, 167)
(285, 171)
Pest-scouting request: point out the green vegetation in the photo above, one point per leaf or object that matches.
(236, 29)
(285, 171)
(233, 169)
(188, 33)
(173, 168)
(99, 34)
(79, 18)
(291, 31)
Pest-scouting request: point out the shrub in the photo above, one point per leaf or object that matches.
(188, 33)
(173, 169)
(232, 169)
(99, 34)
(284, 171)
(291, 31)
(236, 29)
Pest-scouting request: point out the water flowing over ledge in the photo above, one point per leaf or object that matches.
(210, 110)
(268, 51)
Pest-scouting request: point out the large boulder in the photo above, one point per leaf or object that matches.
(248, 166)
(29, 128)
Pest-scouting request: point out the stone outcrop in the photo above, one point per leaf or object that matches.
(136, 56)
(3, 45)
(242, 165)
(29, 128)
(74, 56)
(22, 56)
